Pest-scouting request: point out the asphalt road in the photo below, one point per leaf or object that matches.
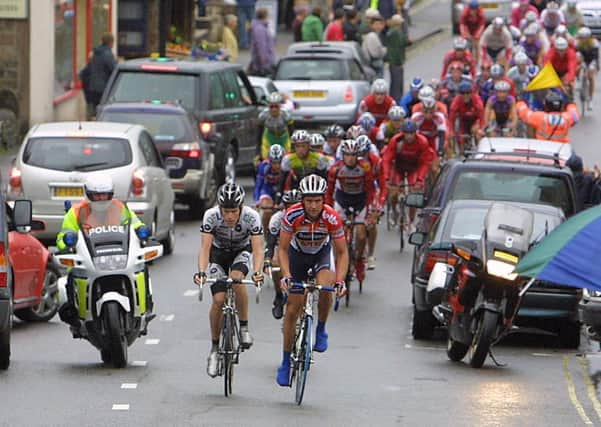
(374, 373)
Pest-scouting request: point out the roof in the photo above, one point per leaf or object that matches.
(173, 65)
(506, 161)
(83, 129)
(532, 150)
(152, 107)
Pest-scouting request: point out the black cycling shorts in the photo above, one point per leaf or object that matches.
(222, 262)
(300, 263)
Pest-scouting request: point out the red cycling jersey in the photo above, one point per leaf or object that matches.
(466, 113)
(308, 236)
(413, 158)
(441, 107)
(430, 126)
(472, 24)
(466, 59)
(565, 65)
(379, 111)
(353, 183)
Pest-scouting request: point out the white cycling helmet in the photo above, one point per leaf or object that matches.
(429, 103)
(425, 92)
(584, 33)
(396, 113)
(317, 140)
(98, 184)
(300, 136)
(502, 86)
(313, 185)
(530, 16)
(520, 58)
(379, 86)
(561, 43)
(459, 43)
(275, 98)
(230, 195)
(572, 3)
(349, 146)
(498, 22)
(561, 30)
(276, 153)
(531, 30)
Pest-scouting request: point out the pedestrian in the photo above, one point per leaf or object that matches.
(262, 49)
(365, 24)
(101, 66)
(335, 31)
(228, 38)
(312, 28)
(396, 42)
(301, 13)
(84, 77)
(386, 8)
(372, 46)
(246, 12)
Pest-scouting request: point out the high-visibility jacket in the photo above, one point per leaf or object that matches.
(550, 126)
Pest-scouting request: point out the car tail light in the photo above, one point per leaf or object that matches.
(190, 150)
(15, 179)
(436, 256)
(3, 267)
(205, 128)
(138, 185)
(348, 94)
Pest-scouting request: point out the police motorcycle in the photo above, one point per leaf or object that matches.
(480, 289)
(108, 290)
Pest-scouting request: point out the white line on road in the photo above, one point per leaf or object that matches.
(542, 355)
(191, 293)
(408, 346)
(139, 363)
(129, 386)
(120, 406)
(166, 317)
(152, 341)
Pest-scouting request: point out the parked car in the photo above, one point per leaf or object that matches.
(262, 86)
(28, 277)
(327, 86)
(461, 222)
(55, 158)
(492, 9)
(218, 94)
(591, 15)
(590, 313)
(186, 156)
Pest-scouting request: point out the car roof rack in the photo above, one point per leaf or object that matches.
(518, 153)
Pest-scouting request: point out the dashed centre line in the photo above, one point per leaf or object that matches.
(139, 363)
(152, 341)
(120, 406)
(191, 293)
(129, 386)
(166, 317)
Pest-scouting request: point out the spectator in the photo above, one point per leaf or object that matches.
(297, 23)
(365, 24)
(334, 30)
(229, 38)
(350, 25)
(246, 11)
(312, 28)
(84, 77)
(396, 42)
(372, 46)
(584, 181)
(101, 66)
(262, 49)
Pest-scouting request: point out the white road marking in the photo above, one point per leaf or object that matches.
(129, 386)
(542, 355)
(152, 341)
(166, 317)
(408, 346)
(191, 293)
(120, 406)
(139, 363)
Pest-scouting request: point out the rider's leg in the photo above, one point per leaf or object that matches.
(278, 301)
(360, 237)
(393, 200)
(239, 270)
(216, 315)
(323, 277)
(591, 82)
(372, 238)
(293, 310)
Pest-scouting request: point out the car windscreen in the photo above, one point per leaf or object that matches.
(513, 186)
(131, 86)
(162, 126)
(311, 69)
(77, 154)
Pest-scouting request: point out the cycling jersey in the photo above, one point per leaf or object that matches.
(518, 13)
(232, 239)
(496, 41)
(482, 87)
(412, 158)
(379, 111)
(490, 87)
(309, 237)
(467, 113)
(350, 186)
(431, 126)
(519, 79)
(277, 125)
(466, 58)
(472, 24)
(532, 50)
(408, 101)
(268, 182)
(273, 234)
(297, 168)
(564, 65)
(386, 131)
(441, 107)
(550, 21)
(450, 88)
(573, 18)
(589, 51)
(502, 108)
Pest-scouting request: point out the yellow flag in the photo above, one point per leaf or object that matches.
(547, 78)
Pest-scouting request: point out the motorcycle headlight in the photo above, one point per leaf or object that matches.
(111, 262)
(501, 269)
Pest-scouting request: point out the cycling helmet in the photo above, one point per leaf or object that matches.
(553, 102)
(435, 83)
(416, 84)
(429, 103)
(275, 98)
(474, 4)
(531, 30)
(533, 71)
(530, 16)
(572, 3)
(584, 33)
(553, 7)
(502, 86)
(312, 185)
(397, 113)
(459, 43)
(363, 143)
(97, 184)
(291, 196)
(465, 87)
(425, 92)
(354, 131)
(276, 153)
(517, 49)
(498, 23)
(561, 43)
(497, 71)
(334, 131)
(515, 33)
(561, 31)
(379, 86)
(521, 58)
(367, 121)
(349, 146)
(230, 195)
(300, 136)
(409, 127)
(317, 140)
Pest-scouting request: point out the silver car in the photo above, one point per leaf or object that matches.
(591, 15)
(55, 158)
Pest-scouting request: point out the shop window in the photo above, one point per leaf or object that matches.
(64, 46)
(100, 15)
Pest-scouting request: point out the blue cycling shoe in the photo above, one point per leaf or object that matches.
(321, 341)
(283, 377)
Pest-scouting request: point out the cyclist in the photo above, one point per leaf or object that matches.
(562, 31)
(317, 142)
(334, 135)
(269, 181)
(519, 73)
(302, 161)
(459, 53)
(432, 125)
(368, 123)
(276, 122)
(311, 230)
(552, 124)
(588, 50)
(564, 62)
(500, 111)
(532, 45)
(471, 25)
(378, 102)
(519, 12)
(481, 86)
(411, 98)
(428, 92)
(408, 155)
(497, 74)
(450, 85)
(573, 16)
(230, 231)
(530, 17)
(551, 18)
(467, 114)
(289, 198)
(390, 127)
(496, 42)
(351, 184)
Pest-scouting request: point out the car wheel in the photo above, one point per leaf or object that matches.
(569, 334)
(48, 305)
(169, 242)
(8, 128)
(423, 324)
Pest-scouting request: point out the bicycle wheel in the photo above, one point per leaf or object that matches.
(305, 360)
(583, 92)
(227, 347)
(388, 213)
(403, 222)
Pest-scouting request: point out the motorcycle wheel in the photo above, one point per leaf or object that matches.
(456, 350)
(115, 338)
(483, 339)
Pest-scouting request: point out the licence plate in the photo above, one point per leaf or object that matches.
(68, 191)
(309, 93)
(489, 5)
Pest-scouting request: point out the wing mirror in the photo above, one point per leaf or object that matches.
(22, 215)
(417, 238)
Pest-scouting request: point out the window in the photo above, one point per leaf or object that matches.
(64, 46)
(232, 93)
(311, 69)
(100, 19)
(149, 150)
(163, 127)
(217, 95)
(355, 69)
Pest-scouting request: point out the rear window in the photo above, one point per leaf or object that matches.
(163, 127)
(311, 69)
(513, 187)
(131, 86)
(77, 154)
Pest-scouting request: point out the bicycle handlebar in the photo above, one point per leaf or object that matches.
(302, 285)
(229, 280)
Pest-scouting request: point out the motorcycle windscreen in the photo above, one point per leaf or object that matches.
(105, 231)
(510, 227)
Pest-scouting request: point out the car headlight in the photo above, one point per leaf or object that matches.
(110, 262)
(501, 269)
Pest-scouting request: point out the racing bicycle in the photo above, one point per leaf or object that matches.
(349, 234)
(584, 91)
(400, 211)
